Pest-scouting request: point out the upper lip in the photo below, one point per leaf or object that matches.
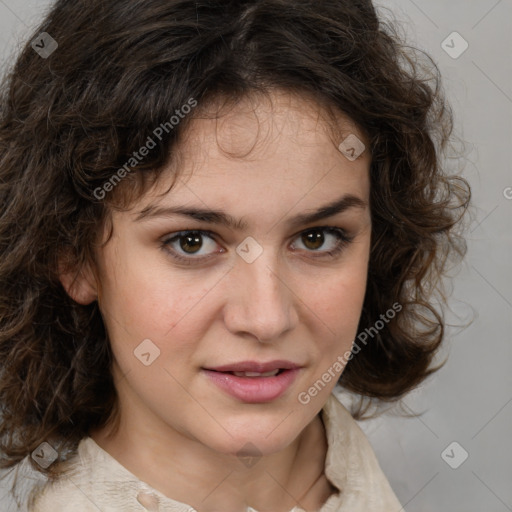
(255, 366)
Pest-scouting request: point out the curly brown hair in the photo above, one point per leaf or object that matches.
(70, 120)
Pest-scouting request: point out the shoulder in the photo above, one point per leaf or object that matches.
(351, 463)
(92, 481)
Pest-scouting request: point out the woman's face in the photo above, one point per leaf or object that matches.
(269, 273)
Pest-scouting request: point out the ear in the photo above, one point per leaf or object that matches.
(81, 286)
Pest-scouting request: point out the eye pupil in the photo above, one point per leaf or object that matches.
(313, 239)
(191, 243)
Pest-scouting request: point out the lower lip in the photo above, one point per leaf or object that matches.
(254, 389)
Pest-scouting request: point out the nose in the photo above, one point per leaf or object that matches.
(261, 302)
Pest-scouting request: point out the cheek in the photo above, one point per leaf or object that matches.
(340, 294)
(336, 303)
(143, 300)
(142, 290)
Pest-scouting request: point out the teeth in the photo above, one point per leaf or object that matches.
(257, 374)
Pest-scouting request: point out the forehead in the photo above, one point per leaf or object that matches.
(261, 162)
(258, 124)
(281, 140)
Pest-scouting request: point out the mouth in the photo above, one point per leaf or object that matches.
(254, 382)
(256, 367)
(272, 373)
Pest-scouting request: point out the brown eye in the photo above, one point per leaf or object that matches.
(194, 245)
(191, 243)
(324, 241)
(313, 239)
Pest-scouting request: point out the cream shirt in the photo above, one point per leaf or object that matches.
(96, 482)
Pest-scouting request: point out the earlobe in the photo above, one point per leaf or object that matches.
(81, 286)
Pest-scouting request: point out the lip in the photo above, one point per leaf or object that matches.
(253, 389)
(256, 366)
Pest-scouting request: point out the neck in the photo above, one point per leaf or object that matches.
(188, 472)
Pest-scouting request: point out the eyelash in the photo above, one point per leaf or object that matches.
(343, 241)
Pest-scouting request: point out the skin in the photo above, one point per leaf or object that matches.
(178, 431)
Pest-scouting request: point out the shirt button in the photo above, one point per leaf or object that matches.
(148, 501)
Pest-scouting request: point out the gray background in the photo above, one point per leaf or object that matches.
(469, 400)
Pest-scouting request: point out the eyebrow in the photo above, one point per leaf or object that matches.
(220, 217)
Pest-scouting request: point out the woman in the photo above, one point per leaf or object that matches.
(213, 213)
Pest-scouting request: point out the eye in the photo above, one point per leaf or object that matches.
(188, 245)
(194, 246)
(325, 240)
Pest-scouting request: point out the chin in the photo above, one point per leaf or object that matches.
(253, 438)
